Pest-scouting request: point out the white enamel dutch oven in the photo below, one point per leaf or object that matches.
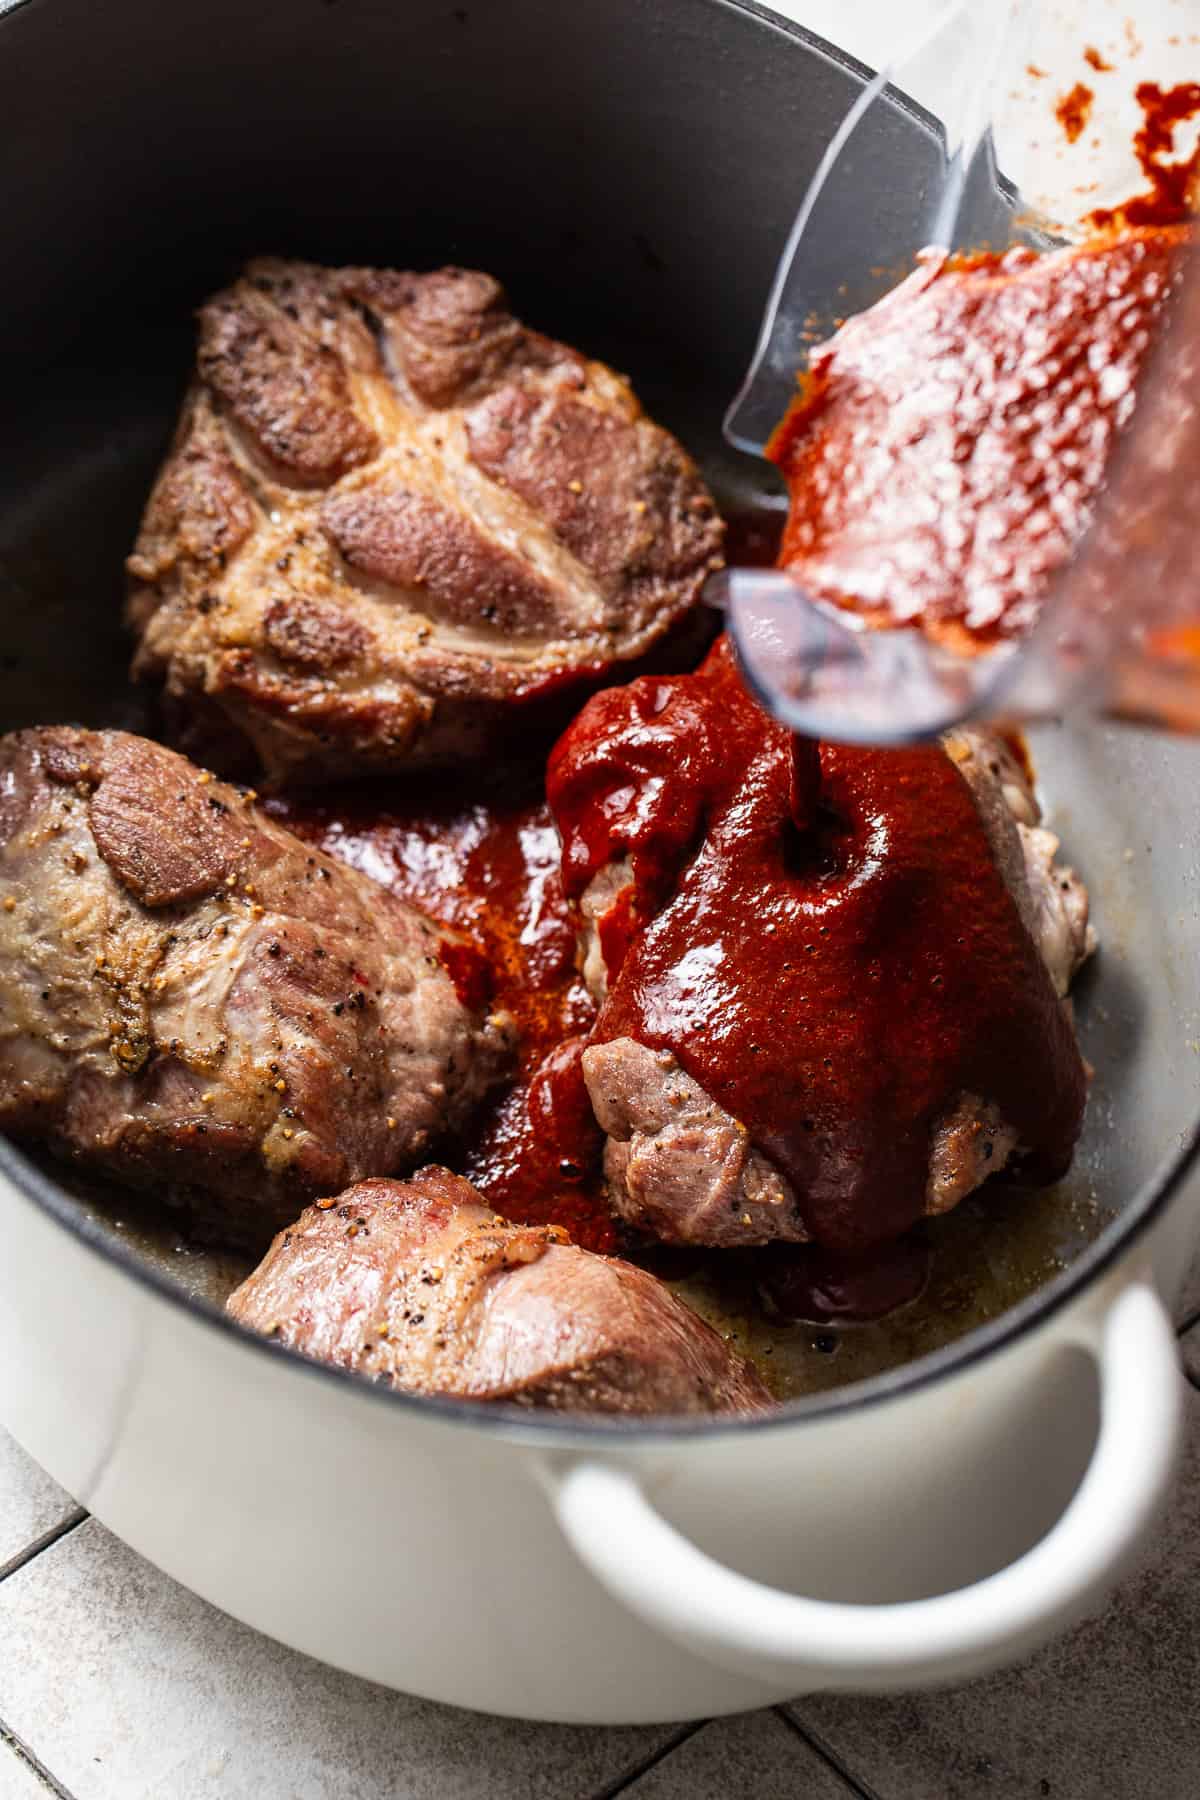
(620, 166)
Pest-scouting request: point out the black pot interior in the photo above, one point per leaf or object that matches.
(629, 171)
(596, 157)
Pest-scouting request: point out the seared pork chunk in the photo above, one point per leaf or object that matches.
(677, 1164)
(801, 1023)
(1051, 899)
(393, 519)
(191, 999)
(420, 1285)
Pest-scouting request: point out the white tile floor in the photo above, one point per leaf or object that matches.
(31, 1505)
(116, 1684)
(20, 1782)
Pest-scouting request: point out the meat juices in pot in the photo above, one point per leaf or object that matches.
(820, 1031)
(478, 851)
(395, 522)
(421, 1286)
(195, 1001)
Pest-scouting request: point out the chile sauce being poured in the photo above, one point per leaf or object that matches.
(821, 938)
(947, 446)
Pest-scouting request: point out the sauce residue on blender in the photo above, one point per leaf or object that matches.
(1073, 110)
(1174, 182)
(947, 446)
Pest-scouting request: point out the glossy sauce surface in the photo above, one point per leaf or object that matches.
(834, 985)
(947, 445)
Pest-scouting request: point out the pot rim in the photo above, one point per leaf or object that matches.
(549, 1429)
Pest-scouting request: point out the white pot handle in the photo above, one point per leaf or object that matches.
(779, 1637)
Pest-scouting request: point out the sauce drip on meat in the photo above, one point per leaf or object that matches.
(482, 855)
(834, 987)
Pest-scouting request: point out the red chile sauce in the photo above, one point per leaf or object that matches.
(481, 855)
(947, 445)
(834, 983)
(1173, 193)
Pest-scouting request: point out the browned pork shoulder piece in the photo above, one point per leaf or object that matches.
(193, 1000)
(420, 1285)
(831, 979)
(393, 519)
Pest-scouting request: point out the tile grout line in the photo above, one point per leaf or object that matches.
(24, 1754)
(623, 1782)
(48, 1538)
(815, 1742)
